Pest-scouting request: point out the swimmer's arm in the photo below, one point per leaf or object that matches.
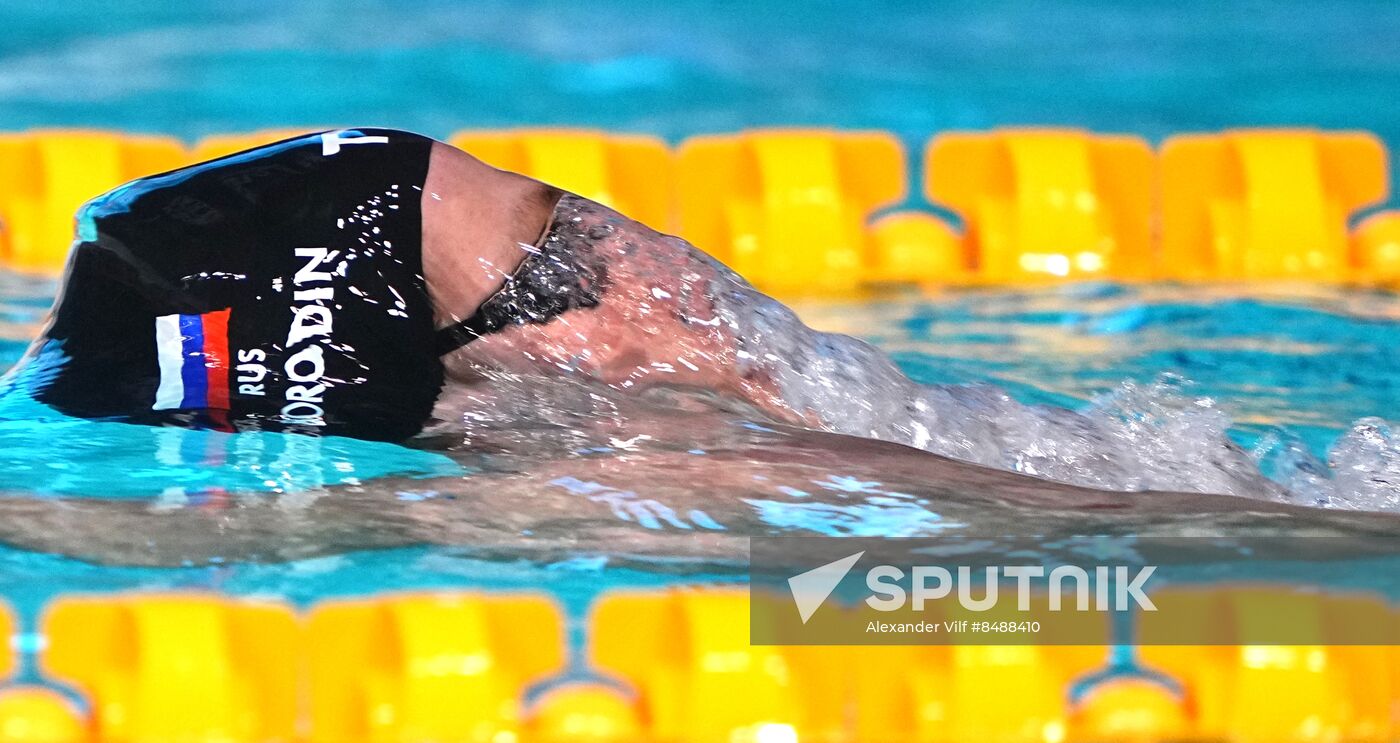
(531, 515)
(525, 514)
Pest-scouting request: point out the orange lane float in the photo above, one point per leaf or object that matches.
(1047, 204)
(8, 661)
(630, 173)
(49, 174)
(803, 211)
(1376, 246)
(791, 210)
(177, 667)
(428, 667)
(1267, 204)
(163, 668)
(584, 712)
(686, 653)
(1272, 692)
(940, 692)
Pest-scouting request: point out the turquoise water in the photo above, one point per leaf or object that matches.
(1302, 364)
(678, 68)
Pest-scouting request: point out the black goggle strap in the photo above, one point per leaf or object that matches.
(459, 334)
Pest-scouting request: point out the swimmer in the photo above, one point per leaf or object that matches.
(336, 283)
(332, 283)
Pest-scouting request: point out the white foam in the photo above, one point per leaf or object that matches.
(1362, 471)
(1155, 436)
(1139, 436)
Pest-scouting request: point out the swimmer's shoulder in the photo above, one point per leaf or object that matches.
(462, 188)
(475, 218)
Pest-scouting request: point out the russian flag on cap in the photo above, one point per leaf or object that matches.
(192, 351)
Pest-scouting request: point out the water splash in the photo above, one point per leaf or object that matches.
(1362, 471)
(1153, 436)
(672, 315)
(1138, 437)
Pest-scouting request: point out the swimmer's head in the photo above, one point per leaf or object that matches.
(292, 300)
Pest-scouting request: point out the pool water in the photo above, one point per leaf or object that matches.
(98, 506)
(1288, 373)
(690, 66)
(1285, 363)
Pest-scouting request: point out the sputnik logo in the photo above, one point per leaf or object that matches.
(811, 589)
